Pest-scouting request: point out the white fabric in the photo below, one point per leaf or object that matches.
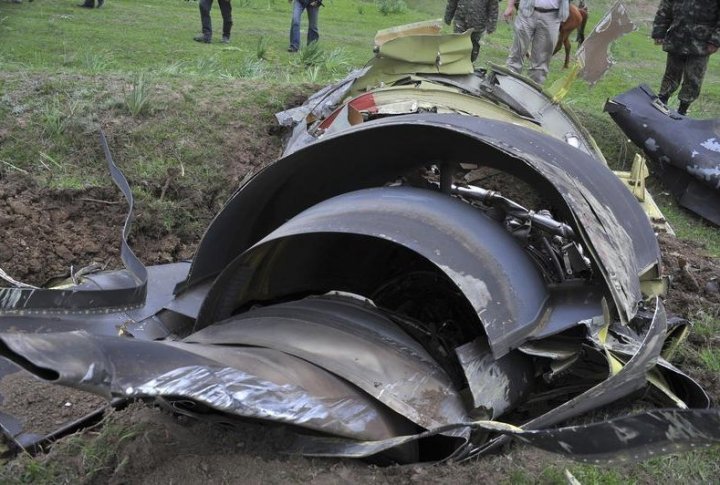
(547, 4)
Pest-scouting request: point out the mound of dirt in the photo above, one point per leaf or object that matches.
(46, 232)
(695, 277)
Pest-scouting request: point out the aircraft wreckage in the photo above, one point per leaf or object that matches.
(375, 292)
(686, 151)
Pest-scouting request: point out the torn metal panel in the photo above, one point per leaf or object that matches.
(593, 53)
(686, 151)
(630, 378)
(621, 440)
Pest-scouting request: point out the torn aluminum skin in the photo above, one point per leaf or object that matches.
(394, 304)
(686, 151)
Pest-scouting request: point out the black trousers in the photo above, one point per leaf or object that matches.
(225, 10)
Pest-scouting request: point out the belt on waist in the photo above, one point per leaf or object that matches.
(546, 10)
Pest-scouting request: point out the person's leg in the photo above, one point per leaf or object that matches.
(547, 31)
(295, 26)
(524, 30)
(205, 6)
(475, 37)
(693, 74)
(313, 33)
(226, 11)
(674, 66)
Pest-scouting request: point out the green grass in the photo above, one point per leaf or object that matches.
(170, 104)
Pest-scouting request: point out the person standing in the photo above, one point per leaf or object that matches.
(225, 10)
(312, 7)
(689, 31)
(537, 28)
(479, 15)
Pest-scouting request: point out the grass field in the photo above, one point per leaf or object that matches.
(169, 103)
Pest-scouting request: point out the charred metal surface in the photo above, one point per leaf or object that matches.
(686, 151)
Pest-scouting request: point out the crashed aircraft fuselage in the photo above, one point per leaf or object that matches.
(395, 303)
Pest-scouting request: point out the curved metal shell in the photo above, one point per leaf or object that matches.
(611, 223)
(499, 280)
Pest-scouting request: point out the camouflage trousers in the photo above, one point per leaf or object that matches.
(459, 28)
(688, 69)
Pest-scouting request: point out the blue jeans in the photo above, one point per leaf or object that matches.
(313, 33)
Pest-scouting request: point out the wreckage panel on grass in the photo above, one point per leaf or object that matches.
(686, 151)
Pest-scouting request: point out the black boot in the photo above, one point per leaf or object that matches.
(684, 105)
(664, 98)
(88, 4)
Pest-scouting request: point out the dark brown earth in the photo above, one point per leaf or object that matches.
(45, 405)
(45, 232)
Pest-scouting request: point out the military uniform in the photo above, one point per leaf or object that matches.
(688, 30)
(480, 15)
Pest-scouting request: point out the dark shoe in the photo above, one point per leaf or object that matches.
(683, 108)
(86, 5)
(292, 49)
(664, 98)
(100, 3)
(205, 39)
(225, 39)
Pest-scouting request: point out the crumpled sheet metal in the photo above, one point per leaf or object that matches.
(497, 385)
(217, 367)
(354, 342)
(611, 223)
(686, 150)
(484, 261)
(241, 381)
(28, 301)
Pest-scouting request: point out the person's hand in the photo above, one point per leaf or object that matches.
(658, 41)
(712, 48)
(508, 13)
